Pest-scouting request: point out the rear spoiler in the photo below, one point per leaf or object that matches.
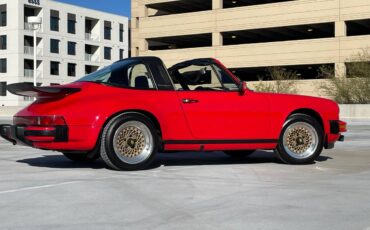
(29, 90)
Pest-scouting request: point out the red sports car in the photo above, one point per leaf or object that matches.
(127, 112)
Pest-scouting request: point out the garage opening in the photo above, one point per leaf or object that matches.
(287, 33)
(300, 72)
(178, 7)
(239, 3)
(358, 27)
(180, 42)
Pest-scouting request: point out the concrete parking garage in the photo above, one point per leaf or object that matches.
(44, 190)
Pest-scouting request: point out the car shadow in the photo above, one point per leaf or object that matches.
(165, 159)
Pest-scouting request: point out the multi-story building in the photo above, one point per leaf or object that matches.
(72, 42)
(250, 35)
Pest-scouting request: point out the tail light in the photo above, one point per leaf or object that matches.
(40, 121)
(342, 126)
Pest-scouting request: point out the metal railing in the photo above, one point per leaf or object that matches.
(29, 50)
(91, 57)
(28, 26)
(28, 73)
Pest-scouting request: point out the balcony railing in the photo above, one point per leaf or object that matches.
(29, 73)
(91, 37)
(28, 26)
(30, 50)
(91, 57)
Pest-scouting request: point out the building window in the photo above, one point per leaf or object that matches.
(54, 68)
(121, 54)
(3, 44)
(71, 70)
(71, 27)
(3, 89)
(3, 64)
(54, 46)
(107, 30)
(71, 23)
(3, 15)
(121, 31)
(71, 48)
(107, 53)
(54, 20)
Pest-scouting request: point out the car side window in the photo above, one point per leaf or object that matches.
(202, 78)
(197, 77)
(139, 77)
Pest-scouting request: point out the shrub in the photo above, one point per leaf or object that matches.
(353, 89)
(283, 81)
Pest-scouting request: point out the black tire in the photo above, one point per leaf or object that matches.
(81, 157)
(112, 158)
(287, 155)
(239, 154)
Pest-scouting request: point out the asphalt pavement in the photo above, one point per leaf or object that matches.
(44, 190)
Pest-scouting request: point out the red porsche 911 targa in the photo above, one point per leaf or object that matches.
(127, 112)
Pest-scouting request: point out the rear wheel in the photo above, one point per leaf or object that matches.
(81, 157)
(239, 154)
(301, 140)
(129, 142)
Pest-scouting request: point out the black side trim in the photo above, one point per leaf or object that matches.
(254, 141)
(61, 133)
(334, 127)
(38, 133)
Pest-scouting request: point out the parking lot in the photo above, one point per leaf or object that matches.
(44, 190)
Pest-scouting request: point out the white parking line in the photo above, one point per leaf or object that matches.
(38, 187)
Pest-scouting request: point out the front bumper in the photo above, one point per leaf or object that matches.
(28, 135)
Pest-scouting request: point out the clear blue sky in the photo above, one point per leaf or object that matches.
(121, 7)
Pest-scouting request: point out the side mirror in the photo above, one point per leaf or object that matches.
(242, 88)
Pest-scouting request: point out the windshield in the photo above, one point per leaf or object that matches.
(128, 73)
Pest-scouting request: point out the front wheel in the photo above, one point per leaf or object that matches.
(301, 140)
(129, 142)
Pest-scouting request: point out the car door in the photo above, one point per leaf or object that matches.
(215, 110)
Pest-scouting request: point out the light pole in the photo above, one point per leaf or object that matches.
(35, 23)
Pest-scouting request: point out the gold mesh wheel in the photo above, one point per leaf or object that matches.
(133, 142)
(300, 140)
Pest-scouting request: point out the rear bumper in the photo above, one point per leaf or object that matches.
(337, 127)
(28, 135)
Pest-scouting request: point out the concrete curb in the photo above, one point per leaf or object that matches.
(355, 111)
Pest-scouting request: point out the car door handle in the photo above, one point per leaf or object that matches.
(189, 101)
